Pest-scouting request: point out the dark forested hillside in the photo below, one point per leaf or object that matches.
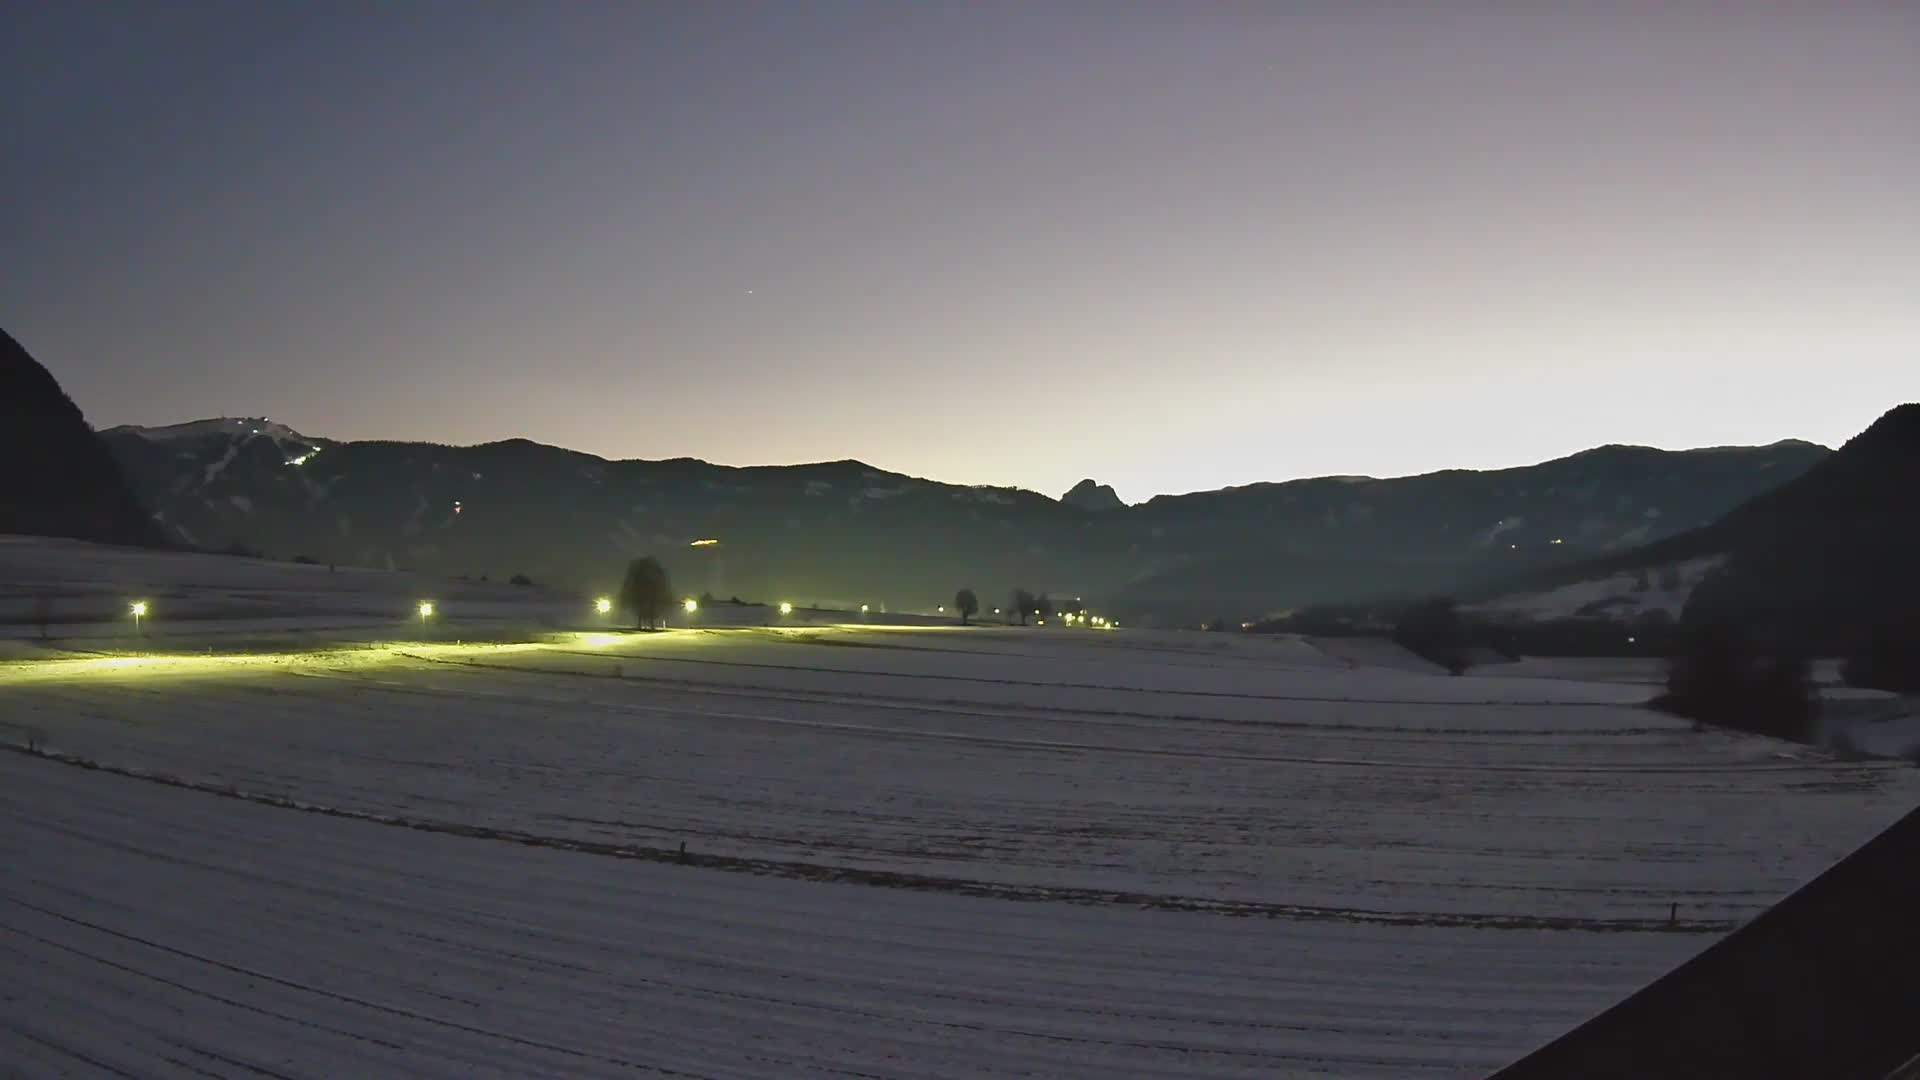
(56, 476)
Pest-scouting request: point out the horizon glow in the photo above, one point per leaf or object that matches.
(1166, 248)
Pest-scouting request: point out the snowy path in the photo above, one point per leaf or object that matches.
(156, 932)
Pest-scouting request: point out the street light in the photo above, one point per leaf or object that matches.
(786, 608)
(426, 611)
(603, 605)
(691, 605)
(139, 610)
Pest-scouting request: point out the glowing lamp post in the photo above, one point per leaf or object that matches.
(139, 611)
(603, 606)
(786, 608)
(426, 612)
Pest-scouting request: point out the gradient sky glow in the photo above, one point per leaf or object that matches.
(1171, 246)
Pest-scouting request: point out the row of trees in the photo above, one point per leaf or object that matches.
(1022, 604)
(647, 595)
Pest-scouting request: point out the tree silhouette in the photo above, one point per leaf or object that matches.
(1043, 605)
(1022, 601)
(646, 592)
(1432, 631)
(1888, 660)
(1718, 677)
(966, 604)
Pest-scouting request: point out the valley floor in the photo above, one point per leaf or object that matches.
(911, 851)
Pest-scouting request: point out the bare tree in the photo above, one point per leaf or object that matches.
(967, 604)
(1022, 605)
(646, 592)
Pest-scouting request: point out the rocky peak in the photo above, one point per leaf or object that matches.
(1088, 495)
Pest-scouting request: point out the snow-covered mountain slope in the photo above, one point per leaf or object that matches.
(228, 426)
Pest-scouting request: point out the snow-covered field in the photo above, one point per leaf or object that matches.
(911, 850)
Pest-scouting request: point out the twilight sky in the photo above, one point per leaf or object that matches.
(1170, 246)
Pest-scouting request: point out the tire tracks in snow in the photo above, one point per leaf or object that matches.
(803, 871)
(1058, 745)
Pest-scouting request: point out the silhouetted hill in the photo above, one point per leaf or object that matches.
(1358, 538)
(56, 476)
(1818, 562)
(1822, 562)
(847, 532)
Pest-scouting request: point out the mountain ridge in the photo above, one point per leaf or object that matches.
(165, 430)
(848, 532)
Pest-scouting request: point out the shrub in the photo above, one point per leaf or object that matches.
(519, 579)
